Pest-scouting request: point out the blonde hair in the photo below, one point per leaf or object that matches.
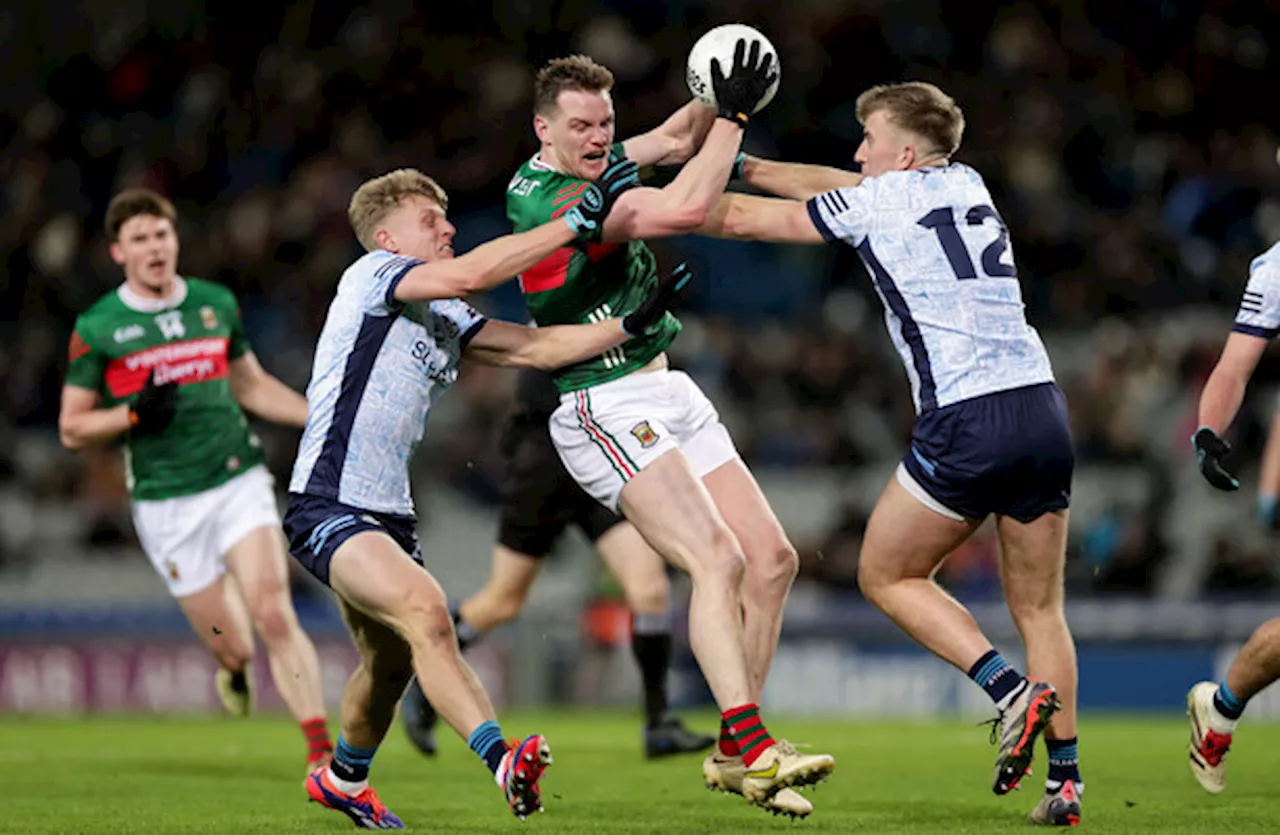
(919, 107)
(577, 72)
(381, 196)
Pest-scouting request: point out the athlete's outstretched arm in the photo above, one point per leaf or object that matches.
(684, 203)
(674, 141)
(265, 396)
(497, 261)
(1224, 390)
(747, 217)
(509, 344)
(795, 180)
(82, 424)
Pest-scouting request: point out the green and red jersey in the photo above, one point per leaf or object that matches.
(584, 282)
(119, 341)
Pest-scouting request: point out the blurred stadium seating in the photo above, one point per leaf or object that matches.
(1137, 172)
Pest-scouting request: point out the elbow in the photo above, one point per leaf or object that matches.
(69, 440)
(686, 219)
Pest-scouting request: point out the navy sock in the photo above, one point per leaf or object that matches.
(487, 742)
(996, 676)
(1228, 704)
(1064, 760)
(351, 763)
(467, 634)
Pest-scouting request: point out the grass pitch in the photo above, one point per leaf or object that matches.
(113, 775)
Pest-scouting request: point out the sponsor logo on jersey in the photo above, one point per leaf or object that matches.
(644, 434)
(128, 332)
(170, 324)
(192, 361)
(208, 317)
(172, 568)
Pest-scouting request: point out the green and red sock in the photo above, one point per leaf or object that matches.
(746, 731)
(316, 731)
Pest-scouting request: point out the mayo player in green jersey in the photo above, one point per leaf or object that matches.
(644, 440)
(163, 361)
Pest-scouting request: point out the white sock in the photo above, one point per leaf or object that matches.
(346, 786)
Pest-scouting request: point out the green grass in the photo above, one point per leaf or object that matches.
(114, 775)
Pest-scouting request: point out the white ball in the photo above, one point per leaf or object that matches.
(720, 43)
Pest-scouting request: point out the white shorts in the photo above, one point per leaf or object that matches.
(187, 538)
(607, 433)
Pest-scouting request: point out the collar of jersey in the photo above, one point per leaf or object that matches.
(536, 162)
(135, 302)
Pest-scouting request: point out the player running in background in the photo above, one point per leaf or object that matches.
(991, 434)
(1215, 709)
(539, 499)
(163, 362)
(389, 349)
(640, 438)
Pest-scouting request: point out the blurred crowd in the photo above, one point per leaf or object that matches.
(1137, 175)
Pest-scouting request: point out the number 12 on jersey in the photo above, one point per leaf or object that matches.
(943, 222)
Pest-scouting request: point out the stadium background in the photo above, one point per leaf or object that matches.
(1122, 143)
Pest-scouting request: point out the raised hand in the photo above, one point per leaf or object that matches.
(740, 91)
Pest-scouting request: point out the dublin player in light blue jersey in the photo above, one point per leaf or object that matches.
(991, 434)
(1214, 709)
(390, 348)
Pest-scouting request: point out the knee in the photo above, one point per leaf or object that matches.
(774, 567)
(422, 618)
(272, 618)
(722, 564)
(649, 594)
(872, 581)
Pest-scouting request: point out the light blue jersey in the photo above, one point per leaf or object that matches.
(938, 253)
(380, 364)
(1259, 313)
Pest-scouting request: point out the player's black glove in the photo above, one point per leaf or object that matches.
(664, 297)
(587, 217)
(1210, 450)
(739, 164)
(154, 407)
(738, 92)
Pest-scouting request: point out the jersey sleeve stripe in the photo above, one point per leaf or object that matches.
(470, 333)
(815, 214)
(1254, 330)
(910, 329)
(392, 301)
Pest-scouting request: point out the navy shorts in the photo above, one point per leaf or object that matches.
(317, 526)
(1007, 453)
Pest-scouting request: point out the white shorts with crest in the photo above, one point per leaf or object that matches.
(608, 433)
(187, 538)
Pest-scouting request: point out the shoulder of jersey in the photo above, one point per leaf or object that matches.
(199, 289)
(107, 306)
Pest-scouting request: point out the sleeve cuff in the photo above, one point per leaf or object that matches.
(470, 332)
(1254, 330)
(815, 214)
(391, 300)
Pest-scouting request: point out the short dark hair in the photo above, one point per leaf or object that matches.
(577, 72)
(919, 107)
(133, 202)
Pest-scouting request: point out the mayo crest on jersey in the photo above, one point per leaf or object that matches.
(938, 254)
(380, 364)
(1259, 313)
